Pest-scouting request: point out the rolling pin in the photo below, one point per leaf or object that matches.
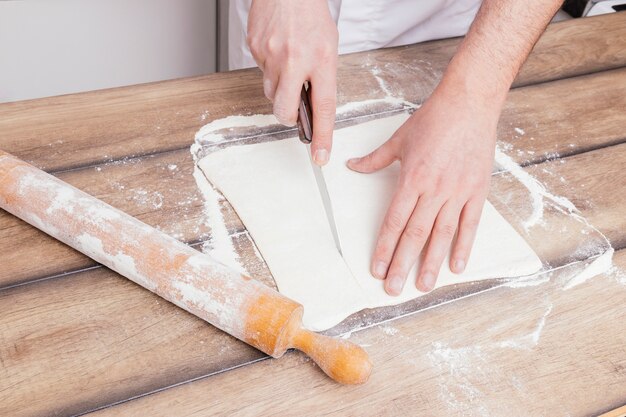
(195, 282)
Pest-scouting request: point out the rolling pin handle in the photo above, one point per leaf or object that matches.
(343, 361)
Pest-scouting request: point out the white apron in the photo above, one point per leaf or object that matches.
(369, 24)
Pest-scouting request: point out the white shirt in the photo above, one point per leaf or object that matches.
(369, 24)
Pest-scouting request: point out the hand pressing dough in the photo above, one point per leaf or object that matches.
(272, 188)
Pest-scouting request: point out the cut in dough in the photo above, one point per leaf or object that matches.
(272, 188)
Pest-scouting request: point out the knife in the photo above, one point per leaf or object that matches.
(305, 131)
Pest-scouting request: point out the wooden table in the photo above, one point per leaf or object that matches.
(76, 337)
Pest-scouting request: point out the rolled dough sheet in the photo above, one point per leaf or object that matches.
(272, 187)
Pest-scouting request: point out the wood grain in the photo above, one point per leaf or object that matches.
(84, 340)
(94, 338)
(67, 132)
(602, 169)
(558, 118)
(564, 118)
(512, 351)
(150, 344)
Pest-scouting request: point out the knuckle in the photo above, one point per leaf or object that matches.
(282, 113)
(395, 222)
(325, 108)
(416, 232)
(273, 45)
(325, 52)
(446, 230)
(471, 223)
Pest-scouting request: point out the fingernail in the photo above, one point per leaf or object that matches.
(352, 162)
(459, 266)
(428, 281)
(380, 269)
(321, 157)
(394, 286)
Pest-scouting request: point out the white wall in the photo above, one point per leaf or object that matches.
(52, 47)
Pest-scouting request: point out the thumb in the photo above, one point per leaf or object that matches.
(376, 160)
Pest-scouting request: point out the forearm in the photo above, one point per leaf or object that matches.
(497, 44)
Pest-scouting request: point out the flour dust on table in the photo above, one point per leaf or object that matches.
(273, 190)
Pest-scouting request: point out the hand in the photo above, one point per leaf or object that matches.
(292, 42)
(446, 151)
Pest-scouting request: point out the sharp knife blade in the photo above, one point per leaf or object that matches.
(305, 131)
(328, 208)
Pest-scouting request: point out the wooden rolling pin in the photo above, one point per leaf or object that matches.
(230, 301)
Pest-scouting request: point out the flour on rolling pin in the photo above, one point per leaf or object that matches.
(195, 282)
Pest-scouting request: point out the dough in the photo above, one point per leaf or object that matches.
(272, 188)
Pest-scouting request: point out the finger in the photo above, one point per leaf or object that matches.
(270, 81)
(439, 245)
(468, 224)
(411, 243)
(398, 214)
(287, 97)
(324, 102)
(380, 158)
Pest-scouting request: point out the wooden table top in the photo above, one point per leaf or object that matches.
(77, 338)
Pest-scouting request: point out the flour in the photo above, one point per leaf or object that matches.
(389, 330)
(208, 134)
(530, 280)
(530, 340)
(220, 245)
(536, 189)
(598, 266)
(460, 376)
(381, 83)
(152, 199)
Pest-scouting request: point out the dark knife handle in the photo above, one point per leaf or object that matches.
(305, 115)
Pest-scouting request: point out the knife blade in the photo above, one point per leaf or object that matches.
(305, 132)
(325, 196)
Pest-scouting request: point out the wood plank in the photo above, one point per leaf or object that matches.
(511, 351)
(563, 45)
(558, 118)
(95, 338)
(564, 118)
(89, 339)
(85, 129)
(580, 179)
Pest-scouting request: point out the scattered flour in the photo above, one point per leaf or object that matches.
(208, 134)
(152, 199)
(598, 266)
(220, 245)
(389, 330)
(530, 281)
(530, 340)
(537, 190)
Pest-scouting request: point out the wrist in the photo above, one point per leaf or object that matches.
(469, 94)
